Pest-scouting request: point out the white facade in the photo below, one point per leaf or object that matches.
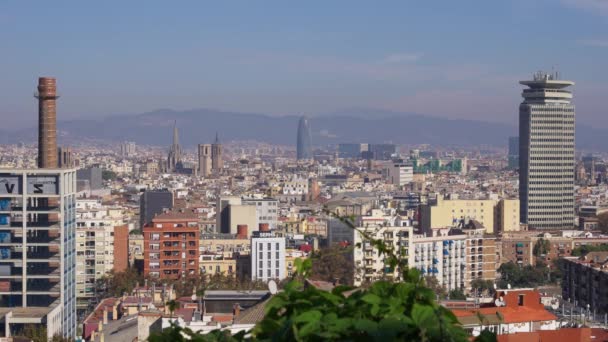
(94, 244)
(267, 257)
(399, 174)
(267, 210)
(443, 257)
(369, 264)
(546, 143)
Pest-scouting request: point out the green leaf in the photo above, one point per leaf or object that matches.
(423, 316)
(308, 316)
(371, 298)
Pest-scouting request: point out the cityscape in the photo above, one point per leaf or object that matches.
(365, 224)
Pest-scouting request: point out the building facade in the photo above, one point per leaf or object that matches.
(585, 281)
(101, 246)
(400, 174)
(369, 264)
(171, 246)
(204, 160)
(217, 161)
(267, 256)
(495, 215)
(443, 257)
(37, 249)
(546, 158)
(153, 202)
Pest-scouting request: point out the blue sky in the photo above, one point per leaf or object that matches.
(456, 59)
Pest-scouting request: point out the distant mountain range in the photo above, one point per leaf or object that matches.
(363, 125)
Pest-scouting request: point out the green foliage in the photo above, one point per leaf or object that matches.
(386, 311)
(584, 249)
(541, 247)
(108, 175)
(333, 263)
(483, 286)
(432, 283)
(118, 283)
(527, 276)
(35, 332)
(457, 294)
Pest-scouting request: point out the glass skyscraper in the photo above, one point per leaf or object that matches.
(546, 153)
(304, 143)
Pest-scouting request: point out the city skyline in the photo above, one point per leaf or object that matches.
(311, 61)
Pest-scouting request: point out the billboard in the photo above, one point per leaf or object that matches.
(39, 185)
(10, 185)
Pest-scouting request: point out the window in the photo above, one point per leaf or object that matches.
(260, 274)
(269, 246)
(261, 264)
(261, 246)
(277, 246)
(520, 300)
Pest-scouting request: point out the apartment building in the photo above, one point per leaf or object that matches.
(369, 264)
(97, 229)
(442, 256)
(171, 245)
(481, 257)
(519, 247)
(267, 256)
(585, 281)
(495, 215)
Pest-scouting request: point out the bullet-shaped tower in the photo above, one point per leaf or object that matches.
(47, 122)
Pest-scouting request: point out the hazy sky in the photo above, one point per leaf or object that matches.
(457, 59)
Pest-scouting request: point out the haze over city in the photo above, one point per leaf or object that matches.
(315, 171)
(459, 60)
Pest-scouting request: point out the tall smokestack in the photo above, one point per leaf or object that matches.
(47, 123)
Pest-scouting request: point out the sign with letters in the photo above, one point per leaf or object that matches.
(10, 185)
(42, 185)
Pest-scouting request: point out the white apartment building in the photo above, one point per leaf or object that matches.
(442, 256)
(399, 173)
(267, 256)
(369, 264)
(94, 245)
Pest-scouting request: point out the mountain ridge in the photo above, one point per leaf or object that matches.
(200, 125)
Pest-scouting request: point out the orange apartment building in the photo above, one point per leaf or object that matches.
(171, 246)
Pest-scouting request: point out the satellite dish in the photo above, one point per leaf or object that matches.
(272, 287)
(499, 302)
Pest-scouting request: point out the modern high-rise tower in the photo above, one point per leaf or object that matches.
(204, 160)
(304, 143)
(47, 122)
(546, 153)
(217, 163)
